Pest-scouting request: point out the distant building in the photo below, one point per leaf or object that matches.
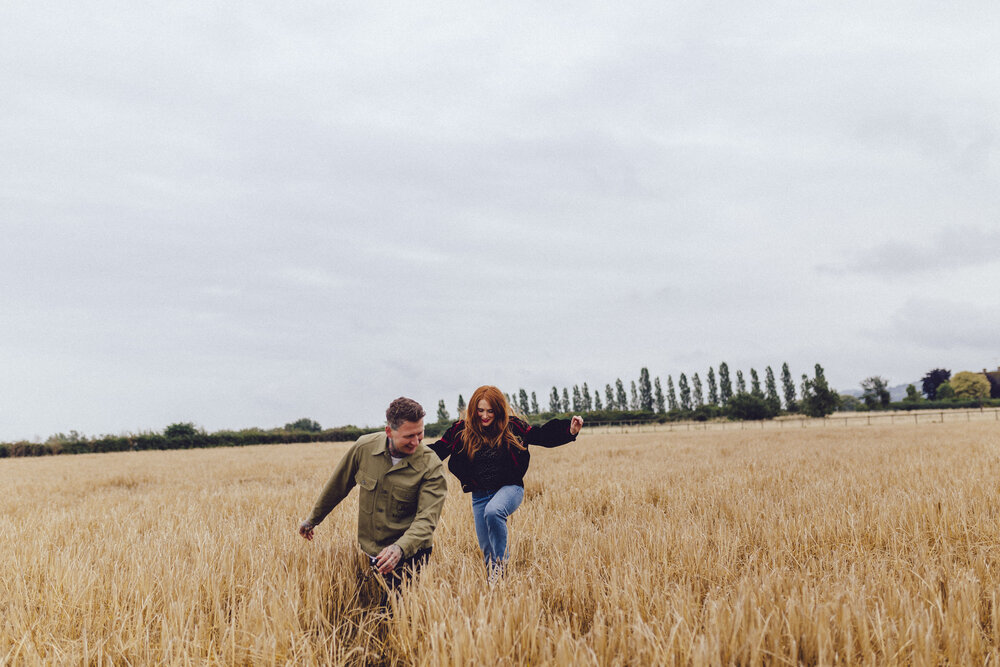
(994, 378)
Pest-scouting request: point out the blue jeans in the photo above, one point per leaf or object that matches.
(491, 509)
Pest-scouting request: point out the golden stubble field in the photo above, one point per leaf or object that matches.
(861, 545)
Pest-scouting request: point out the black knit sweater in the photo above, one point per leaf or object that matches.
(488, 471)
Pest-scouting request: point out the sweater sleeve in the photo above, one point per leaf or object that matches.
(447, 443)
(552, 433)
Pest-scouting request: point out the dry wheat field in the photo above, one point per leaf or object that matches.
(867, 545)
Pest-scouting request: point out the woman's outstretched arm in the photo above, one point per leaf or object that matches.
(446, 444)
(554, 432)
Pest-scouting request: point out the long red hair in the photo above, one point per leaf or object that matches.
(498, 433)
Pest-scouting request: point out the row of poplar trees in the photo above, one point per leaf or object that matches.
(720, 391)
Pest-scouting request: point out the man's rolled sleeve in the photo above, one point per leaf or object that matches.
(430, 501)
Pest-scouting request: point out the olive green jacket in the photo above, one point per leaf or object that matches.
(397, 504)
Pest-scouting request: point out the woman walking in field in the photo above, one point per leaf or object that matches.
(489, 456)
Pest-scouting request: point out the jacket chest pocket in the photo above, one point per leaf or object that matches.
(404, 504)
(366, 492)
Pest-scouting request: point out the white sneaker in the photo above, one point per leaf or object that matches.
(495, 574)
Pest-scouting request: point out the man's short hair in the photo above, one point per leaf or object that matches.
(403, 410)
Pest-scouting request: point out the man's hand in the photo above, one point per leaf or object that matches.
(575, 425)
(388, 559)
(306, 529)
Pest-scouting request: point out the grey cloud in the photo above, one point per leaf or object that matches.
(964, 144)
(940, 324)
(950, 249)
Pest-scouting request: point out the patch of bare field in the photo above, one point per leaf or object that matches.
(864, 545)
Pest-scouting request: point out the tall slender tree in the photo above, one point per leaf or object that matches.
(658, 396)
(697, 397)
(565, 400)
(788, 388)
(671, 394)
(634, 403)
(585, 395)
(534, 404)
(461, 407)
(755, 384)
(609, 397)
(522, 401)
(645, 391)
(597, 401)
(554, 404)
(577, 399)
(713, 388)
(621, 400)
(442, 412)
(771, 390)
(725, 385)
(741, 384)
(685, 392)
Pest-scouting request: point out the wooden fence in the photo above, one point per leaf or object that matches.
(837, 419)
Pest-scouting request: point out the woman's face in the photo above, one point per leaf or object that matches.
(485, 412)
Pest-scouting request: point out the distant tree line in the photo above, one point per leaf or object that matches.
(690, 398)
(728, 395)
(938, 390)
(717, 397)
(184, 435)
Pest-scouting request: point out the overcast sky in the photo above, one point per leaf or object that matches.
(240, 214)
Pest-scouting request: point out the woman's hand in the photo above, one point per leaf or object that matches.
(575, 424)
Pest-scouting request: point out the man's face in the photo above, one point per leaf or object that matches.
(406, 438)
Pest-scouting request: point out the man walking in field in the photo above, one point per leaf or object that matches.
(402, 491)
